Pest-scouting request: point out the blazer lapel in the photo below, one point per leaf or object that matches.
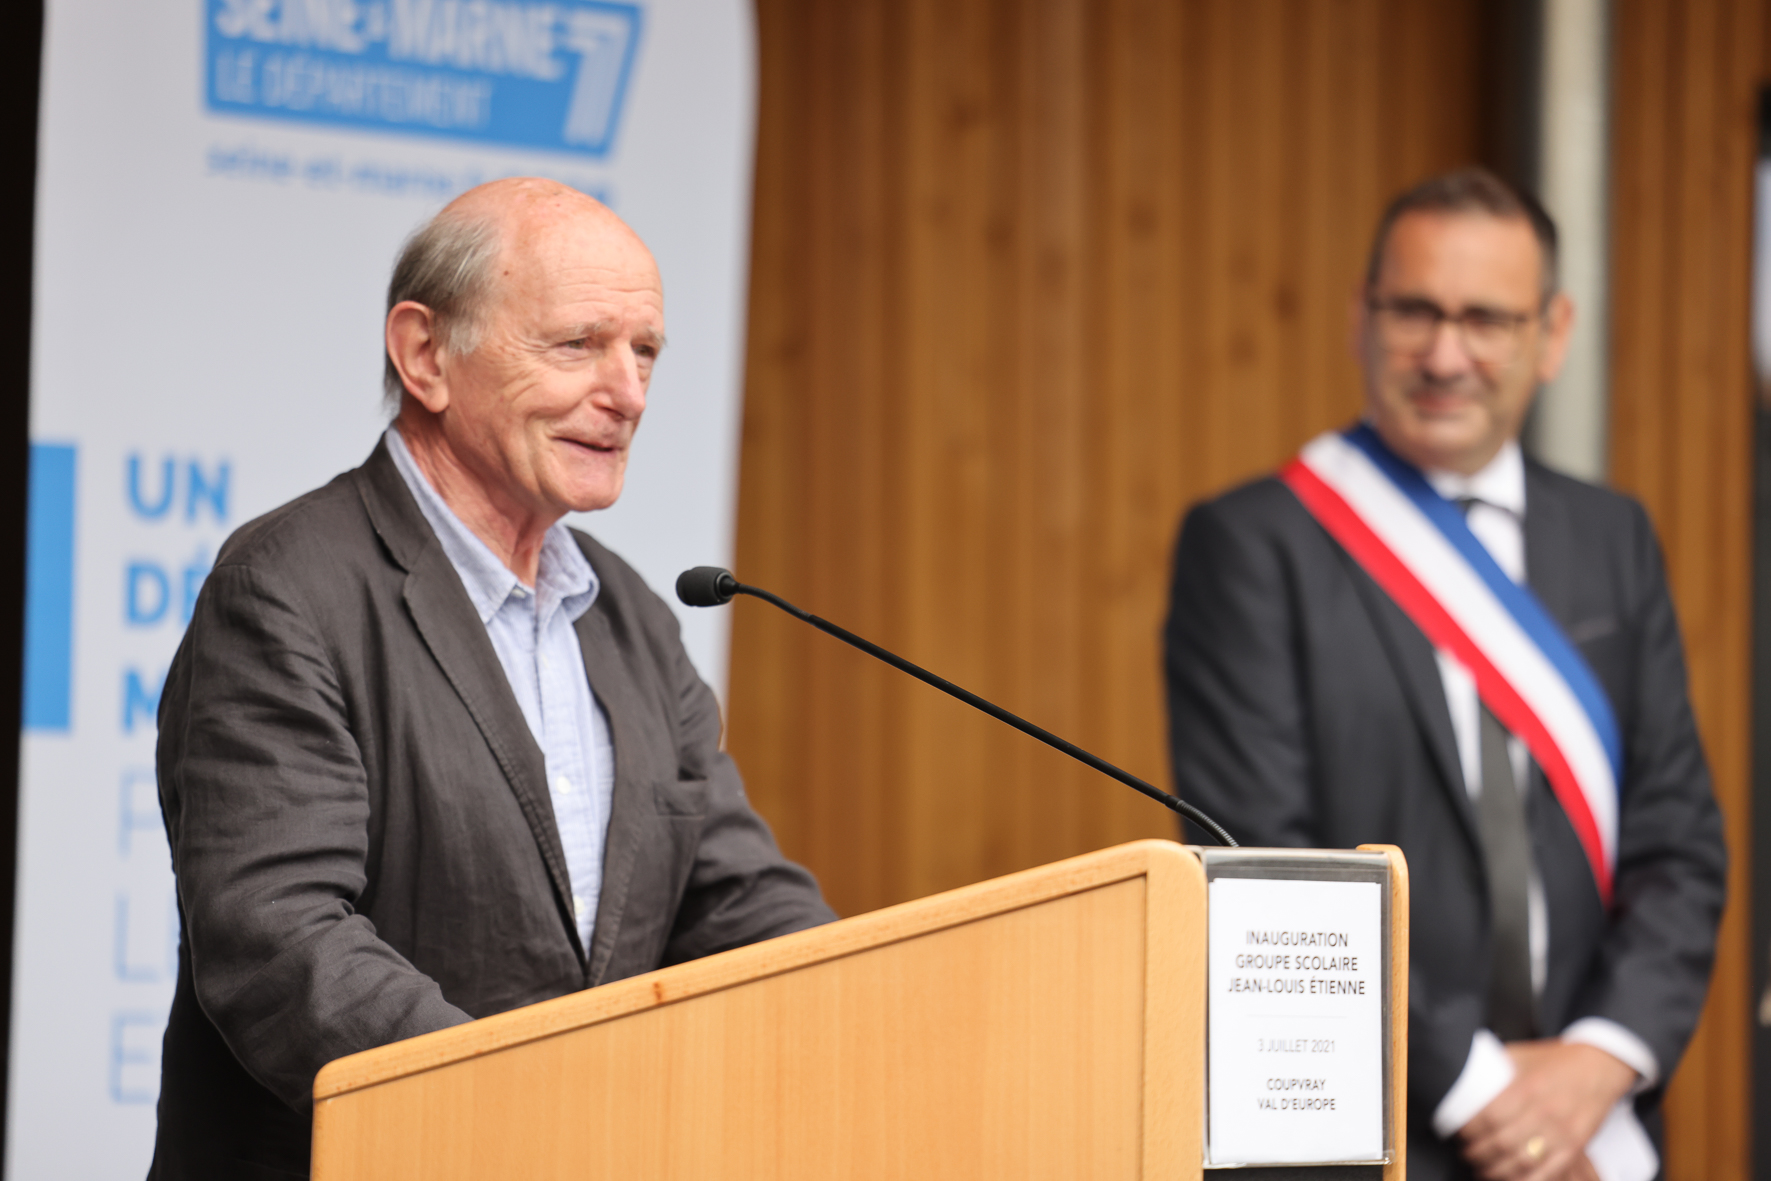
(1418, 669)
(631, 808)
(451, 628)
(1549, 539)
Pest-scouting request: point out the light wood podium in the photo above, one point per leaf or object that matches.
(1048, 1024)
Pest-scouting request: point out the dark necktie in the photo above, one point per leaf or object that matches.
(1506, 847)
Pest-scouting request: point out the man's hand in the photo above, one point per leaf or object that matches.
(1537, 1129)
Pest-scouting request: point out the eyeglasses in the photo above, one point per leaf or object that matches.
(1410, 326)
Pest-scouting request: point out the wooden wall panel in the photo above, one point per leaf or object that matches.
(1687, 72)
(1029, 277)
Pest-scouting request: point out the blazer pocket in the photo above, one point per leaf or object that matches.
(682, 797)
(1588, 630)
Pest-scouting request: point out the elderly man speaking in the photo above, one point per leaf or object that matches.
(425, 753)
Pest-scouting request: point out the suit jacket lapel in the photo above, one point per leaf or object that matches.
(631, 807)
(451, 628)
(1411, 653)
(1549, 539)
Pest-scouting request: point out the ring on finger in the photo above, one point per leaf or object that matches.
(1534, 1149)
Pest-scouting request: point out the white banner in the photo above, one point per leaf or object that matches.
(223, 186)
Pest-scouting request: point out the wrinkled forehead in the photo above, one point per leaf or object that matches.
(555, 255)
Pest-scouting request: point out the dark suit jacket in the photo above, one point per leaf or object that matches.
(361, 829)
(1307, 710)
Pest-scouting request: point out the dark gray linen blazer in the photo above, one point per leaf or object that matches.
(361, 829)
(1307, 710)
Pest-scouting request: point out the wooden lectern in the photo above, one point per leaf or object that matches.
(1045, 1024)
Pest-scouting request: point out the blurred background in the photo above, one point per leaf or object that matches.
(1026, 278)
(1029, 278)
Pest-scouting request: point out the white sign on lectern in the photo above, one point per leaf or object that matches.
(1296, 1017)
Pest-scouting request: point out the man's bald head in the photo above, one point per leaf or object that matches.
(452, 263)
(526, 204)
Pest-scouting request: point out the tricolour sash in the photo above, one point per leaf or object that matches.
(1415, 545)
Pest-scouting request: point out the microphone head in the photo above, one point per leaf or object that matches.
(706, 586)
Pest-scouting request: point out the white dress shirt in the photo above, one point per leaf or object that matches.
(531, 630)
(1621, 1151)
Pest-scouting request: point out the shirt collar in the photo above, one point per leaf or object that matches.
(563, 575)
(1501, 484)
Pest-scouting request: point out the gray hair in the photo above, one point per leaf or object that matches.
(446, 266)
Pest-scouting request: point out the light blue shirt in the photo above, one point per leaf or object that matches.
(531, 630)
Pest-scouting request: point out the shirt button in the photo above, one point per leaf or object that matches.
(562, 785)
(579, 902)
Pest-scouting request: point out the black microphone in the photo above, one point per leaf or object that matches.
(706, 586)
(712, 586)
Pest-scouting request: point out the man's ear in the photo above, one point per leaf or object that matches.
(1558, 328)
(1358, 314)
(417, 354)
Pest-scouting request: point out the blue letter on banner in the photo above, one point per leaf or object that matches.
(49, 588)
(135, 1056)
(547, 74)
(139, 699)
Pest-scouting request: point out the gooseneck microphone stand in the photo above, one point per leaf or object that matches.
(713, 586)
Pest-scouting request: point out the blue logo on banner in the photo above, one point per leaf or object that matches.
(548, 75)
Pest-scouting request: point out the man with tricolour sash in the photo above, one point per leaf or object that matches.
(1414, 634)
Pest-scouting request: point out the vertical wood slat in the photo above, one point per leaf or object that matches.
(1030, 276)
(1686, 74)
